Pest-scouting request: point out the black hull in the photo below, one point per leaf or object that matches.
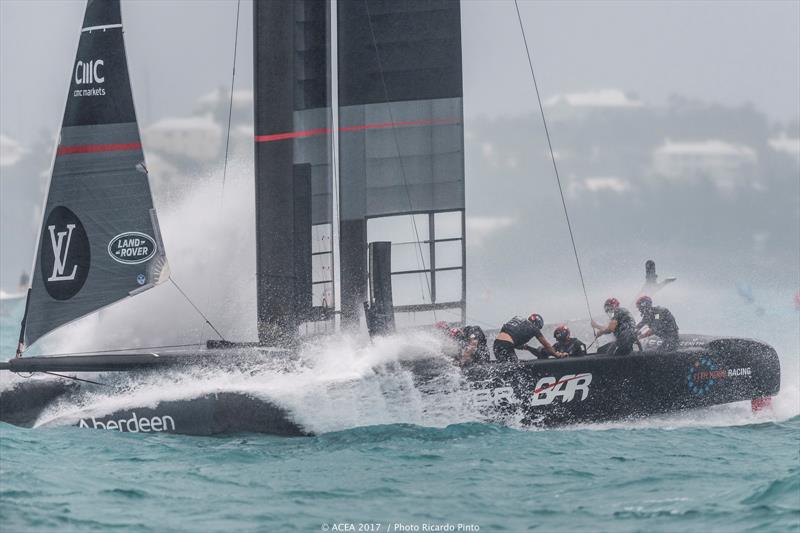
(531, 393)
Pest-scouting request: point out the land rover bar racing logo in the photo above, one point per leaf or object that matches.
(64, 254)
(132, 248)
(549, 388)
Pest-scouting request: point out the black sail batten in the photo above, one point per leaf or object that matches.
(401, 150)
(99, 242)
(292, 166)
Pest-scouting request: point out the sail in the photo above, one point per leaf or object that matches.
(402, 150)
(99, 241)
(293, 165)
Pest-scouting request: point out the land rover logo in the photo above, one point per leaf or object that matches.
(65, 255)
(132, 248)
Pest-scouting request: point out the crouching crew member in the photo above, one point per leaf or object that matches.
(515, 334)
(621, 325)
(471, 342)
(567, 344)
(659, 322)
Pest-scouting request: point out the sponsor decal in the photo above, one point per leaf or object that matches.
(692, 343)
(550, 388)
(492, 396)
(134, 424)
(141, 279)
(132, 248)
(89, 73)
(64, 254)
(704, 373)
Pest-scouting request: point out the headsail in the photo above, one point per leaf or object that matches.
(99, 240)
(401, 148)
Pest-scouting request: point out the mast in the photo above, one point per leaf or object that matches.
(292, 164)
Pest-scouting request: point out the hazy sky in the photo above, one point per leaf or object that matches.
(727, 52)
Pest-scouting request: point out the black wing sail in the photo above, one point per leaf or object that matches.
(99, 241)
(401, 147)
(292, 166)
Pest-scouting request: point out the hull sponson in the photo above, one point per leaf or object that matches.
(531, 393)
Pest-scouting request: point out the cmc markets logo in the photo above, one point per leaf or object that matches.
(132, 248)
(64, 254)
(705, 372)
(550, 388)
(90, 73)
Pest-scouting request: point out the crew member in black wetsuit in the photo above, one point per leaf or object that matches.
(567, 344)
(621, 325)
(515, 334)
(659, 322)
(472, 343)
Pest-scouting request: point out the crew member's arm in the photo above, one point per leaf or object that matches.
(535, 351)
(469, 351)
(610, 328)
(548, 348)
(643, 330)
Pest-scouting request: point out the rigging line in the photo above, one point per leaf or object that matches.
(553, 158)
(116, 350)
(227, 136)
(335, 217)
(230, 104)
(74, 378)
(399, 156)
(196, 308)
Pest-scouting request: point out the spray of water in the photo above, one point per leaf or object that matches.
(343, 381)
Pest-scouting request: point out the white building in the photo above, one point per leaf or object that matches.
(726, 164)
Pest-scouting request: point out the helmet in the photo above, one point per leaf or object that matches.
(644, 302)
(561, 333)
(441, 325)
(611, 303)
(455, 332)
(537, 320)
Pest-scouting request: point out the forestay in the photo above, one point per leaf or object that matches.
(99, 241)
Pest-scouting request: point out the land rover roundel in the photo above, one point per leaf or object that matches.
(65, 255)
(132, 248)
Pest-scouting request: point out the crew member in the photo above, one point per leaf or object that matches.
(621, 324)
(568, 344)
(659, 322)
(515, 334)
(473, 346)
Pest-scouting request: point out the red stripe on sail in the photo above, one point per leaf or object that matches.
(92, 148)
(362, 127)
(291, 135)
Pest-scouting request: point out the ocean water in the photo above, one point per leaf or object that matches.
(388, 458)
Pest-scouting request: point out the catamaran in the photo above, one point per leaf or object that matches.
(400, 134)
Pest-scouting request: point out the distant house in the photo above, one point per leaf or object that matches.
(725, 163)
(785, 144)
(574, 105)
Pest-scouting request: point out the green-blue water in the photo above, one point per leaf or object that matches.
(692, 479)
(718, 470)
